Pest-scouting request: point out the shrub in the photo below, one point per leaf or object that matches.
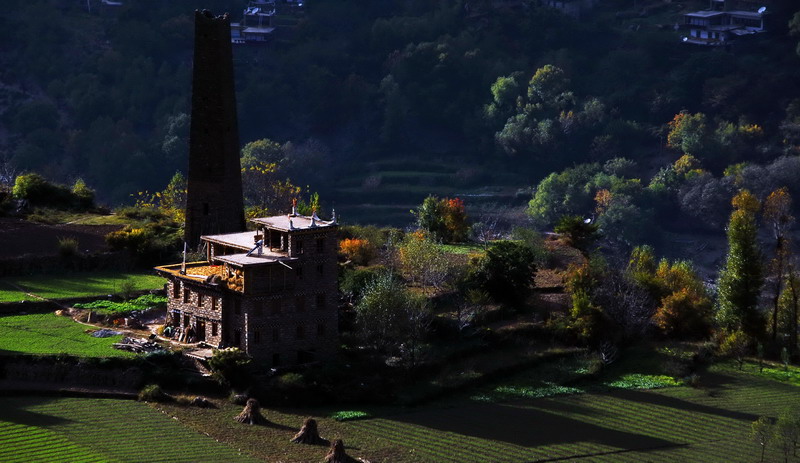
(41, 193)
(231, 367)
(153, 393)
(443, 219)
(67, 247)
(506, 271)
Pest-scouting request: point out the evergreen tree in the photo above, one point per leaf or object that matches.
(740, 281)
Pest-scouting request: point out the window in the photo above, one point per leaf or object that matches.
(206, 209)
(237, 338)
(258, 308)
(176, 290)
(214, 302)
(300, 333)
(256, 337)
(187, 296)
(320, 269)
(199, 300)
(300, 303)
(237, 306)
(276, 307)
(299, 246)
(186, 320)
(320, 245)
(276, 360)
(320, 301)
(276, 335)
(321, 330)
(299, 271)
(213, 328)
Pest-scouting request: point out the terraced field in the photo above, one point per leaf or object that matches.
(74, 285)
(100, 430)
(677, 424)
(46, 333)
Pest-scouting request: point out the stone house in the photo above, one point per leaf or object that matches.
(271, 292)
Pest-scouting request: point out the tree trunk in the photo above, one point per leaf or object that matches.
(778, 286)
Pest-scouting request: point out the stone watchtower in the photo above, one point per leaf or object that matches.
(214, 201)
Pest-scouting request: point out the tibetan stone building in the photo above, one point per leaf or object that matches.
(270, 292)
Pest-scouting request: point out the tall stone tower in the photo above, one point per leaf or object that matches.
(214, 201)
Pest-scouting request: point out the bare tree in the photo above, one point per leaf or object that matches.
(627, 305)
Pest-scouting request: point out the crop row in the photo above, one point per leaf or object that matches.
(114, 429)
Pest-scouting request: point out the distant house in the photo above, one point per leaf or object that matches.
(257, 24)
(574, 8)
(722, 23)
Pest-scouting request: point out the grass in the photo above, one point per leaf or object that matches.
(622, 425)
(47, 333)
(74, 285)
(100, 430)
(107, 307)
(465, 248)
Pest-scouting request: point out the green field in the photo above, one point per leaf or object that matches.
(74, 285)
(46, 333)
(100, 430)
(709, 424)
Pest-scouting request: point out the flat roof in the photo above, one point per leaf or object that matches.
(747, 14)
(293, 223)
(241, 240)
(254, 259)
(705, 13)
(259, 30)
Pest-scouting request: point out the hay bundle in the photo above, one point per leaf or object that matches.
(251, 413)
(309, 434)
(336, 453)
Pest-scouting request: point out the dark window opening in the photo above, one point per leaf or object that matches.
(237, 338)
(320, 301)
(321, 330)
(206, 209)
(276, 335)
(187, 295)
(186, 320)
(199, 300)
(214, 302)
(300, 333)
(176, 290)
(213, 328)
(320, 245)
(299, 247)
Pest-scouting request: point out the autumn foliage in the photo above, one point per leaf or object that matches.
(357, 250)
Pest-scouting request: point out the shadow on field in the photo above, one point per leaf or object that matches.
(526, 427)
(680, 404)
(13, 411)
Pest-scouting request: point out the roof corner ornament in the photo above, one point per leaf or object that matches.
(294, 208)
(333, 218)
(314, 218)
(291, 225)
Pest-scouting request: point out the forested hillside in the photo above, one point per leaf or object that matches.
(505, 95)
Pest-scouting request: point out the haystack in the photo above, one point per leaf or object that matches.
(251, 413)
(336, 453)
(309, 434)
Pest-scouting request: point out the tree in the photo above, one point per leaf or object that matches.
(689, 133)
(443, 219)
(392, 319)
(778, 214)
(740, 280)
(761, 432)
(787, 431)
(736, 345)
(579, 232)
(789, 303)
(506, 272)
(423, 262)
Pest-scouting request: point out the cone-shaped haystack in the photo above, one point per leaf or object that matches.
(251, 413)
(309, 434)
(336, 453)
